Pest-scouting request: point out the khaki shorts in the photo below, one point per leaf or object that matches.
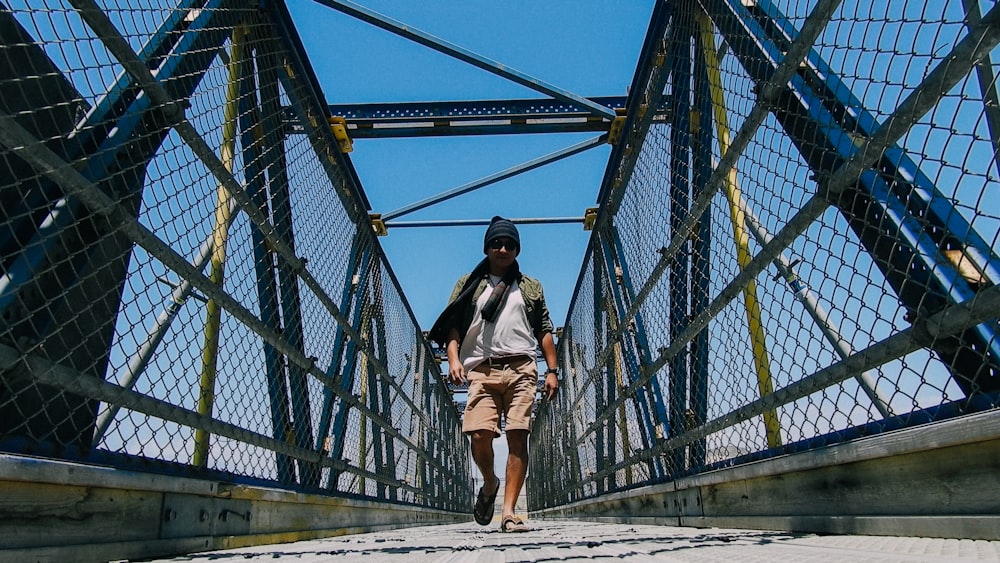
(507, 388)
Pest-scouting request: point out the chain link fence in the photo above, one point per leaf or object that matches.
(801, 252)
(190, 283)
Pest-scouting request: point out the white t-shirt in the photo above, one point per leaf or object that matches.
(509, 335)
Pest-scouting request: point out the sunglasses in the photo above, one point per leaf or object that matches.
(498, 243)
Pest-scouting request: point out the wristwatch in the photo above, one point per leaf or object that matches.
(552, 370)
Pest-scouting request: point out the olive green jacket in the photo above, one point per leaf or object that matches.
(462, 304)
(531, 292)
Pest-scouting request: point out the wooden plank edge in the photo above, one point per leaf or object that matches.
(176, 547)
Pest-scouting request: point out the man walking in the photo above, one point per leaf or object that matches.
(495, 319)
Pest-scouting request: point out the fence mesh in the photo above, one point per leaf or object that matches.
(777, 257)
(190, 280)
(800, 249)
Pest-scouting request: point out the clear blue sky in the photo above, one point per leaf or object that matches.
(587, 47)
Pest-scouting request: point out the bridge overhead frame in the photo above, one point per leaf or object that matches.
(289, 393)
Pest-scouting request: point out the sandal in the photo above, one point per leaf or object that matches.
(483, 511)
(513, 524)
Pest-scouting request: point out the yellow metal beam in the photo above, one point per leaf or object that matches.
(363, 398)
(620, 382)
(758, 338)
(220, 236)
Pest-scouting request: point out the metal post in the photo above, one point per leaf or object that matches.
(617, 369)
(387, 442)
(220, 235)
(267, 291)
(288, 286)
(701, 259)
(680, 189)
(758, 336)
(612, 383)
(641, 339)
(426, 477)
(600, 369)
(358, 255)
(649, 404)
(358, 286)
(366, 380)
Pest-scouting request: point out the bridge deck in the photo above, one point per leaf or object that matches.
(572, 540)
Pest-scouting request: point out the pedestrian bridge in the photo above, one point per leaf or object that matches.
(785, 321)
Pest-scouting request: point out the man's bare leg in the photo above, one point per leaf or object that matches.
(482, 454)
(517, 469)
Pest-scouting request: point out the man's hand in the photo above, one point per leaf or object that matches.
(551, 386)
(456, 373)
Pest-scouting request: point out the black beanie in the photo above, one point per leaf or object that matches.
(500, 227)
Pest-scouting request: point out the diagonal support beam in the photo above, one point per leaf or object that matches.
(485, 222)
(494, 178)
(465, 55)
(987, 81)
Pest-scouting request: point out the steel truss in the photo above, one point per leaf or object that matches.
(907, 225)
(71, 231)
(914, 234)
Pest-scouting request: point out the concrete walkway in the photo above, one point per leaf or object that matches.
(586, 541)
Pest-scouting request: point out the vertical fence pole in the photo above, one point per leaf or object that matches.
(267, 290)
(679, 186)
(701, 259)
(758, 338)
(220, 236)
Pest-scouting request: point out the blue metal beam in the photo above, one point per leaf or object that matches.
(987, 83)
(305, 94)
(646, 90)
(469, 110)
(374, 386)
(633, 353)
(275, 162)
(381, 392)
(701, 258)
(599, 378)
(267, 288)
(358, 257)
(421, 388)
(121, 112)
(348, 373)
(641, 340)
(679, 147)
(465, 55)
(568, 422)
(87, 136)
(331, 440)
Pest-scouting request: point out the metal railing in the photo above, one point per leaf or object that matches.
(189, 285)
(796, 248)
(827, 271)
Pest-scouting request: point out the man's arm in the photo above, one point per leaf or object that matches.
(456, 372)
(548, 345)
